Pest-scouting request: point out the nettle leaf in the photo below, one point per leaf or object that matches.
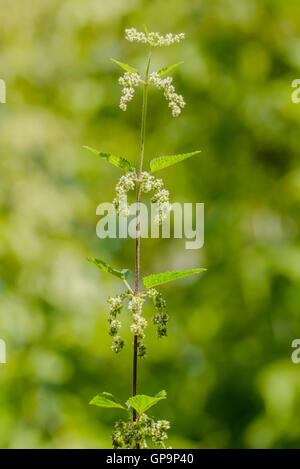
(120, 273)
(168, 69)
(164, 161)
(165, 277)
(141, 403)
(105, 399)
(126, 67)
(118, 161)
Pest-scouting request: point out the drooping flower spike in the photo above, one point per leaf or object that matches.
(148, 183)
(139, 323)
(129, 81)
(176, 101)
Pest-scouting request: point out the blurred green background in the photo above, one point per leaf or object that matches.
(226, 363)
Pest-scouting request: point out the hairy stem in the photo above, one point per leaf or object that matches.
(138, 218)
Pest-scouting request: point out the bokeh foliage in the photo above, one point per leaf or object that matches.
(231, 328)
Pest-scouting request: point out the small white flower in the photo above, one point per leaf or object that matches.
(147, 182)
(125, 184)
(152, 293)
(135, 305)
(132, 35)
(115, 305)
(158, 184)
(129, 81)
(118, 344)
(163, 206)
(114, 326)
(139, 320)
(176, 101)
(135, 329)
(154, 39)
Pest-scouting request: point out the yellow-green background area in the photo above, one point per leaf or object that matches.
(226, 363)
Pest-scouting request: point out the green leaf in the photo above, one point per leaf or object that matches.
(141, 403)
(105, 399)
(120, 273)
(126, 67)
(165, 277)
(162, 394)
(146, 30)
(165, 161)
(118, 161)
(168, 69)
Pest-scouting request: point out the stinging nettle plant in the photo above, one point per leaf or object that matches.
(139, 428)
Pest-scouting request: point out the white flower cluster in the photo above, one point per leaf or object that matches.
(129, 81)
(176, 101)
(137, 328)
(160, 197)
(114, 326)
(125, 184)
(159, 432)
(115, 307)
(161, 318)
(129, 434)
(118, 344)
(148, 183)
(139, 323)
(135, 305)
(153, 39)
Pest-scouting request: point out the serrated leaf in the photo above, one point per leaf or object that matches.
(126, 67)
(118, 161)
(165, 277)
(120, 273)
(141, 403)
(164, 161)
(165, 70)
(105, 399)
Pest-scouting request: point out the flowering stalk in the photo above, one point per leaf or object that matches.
(139, 428)
(138, 218)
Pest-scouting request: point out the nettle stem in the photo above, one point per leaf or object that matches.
(138, 219)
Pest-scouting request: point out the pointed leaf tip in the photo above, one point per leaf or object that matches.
(165, 277)
(168, 69)
(125, 67)
(120, 273)
(118, 161)
(164, 161)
